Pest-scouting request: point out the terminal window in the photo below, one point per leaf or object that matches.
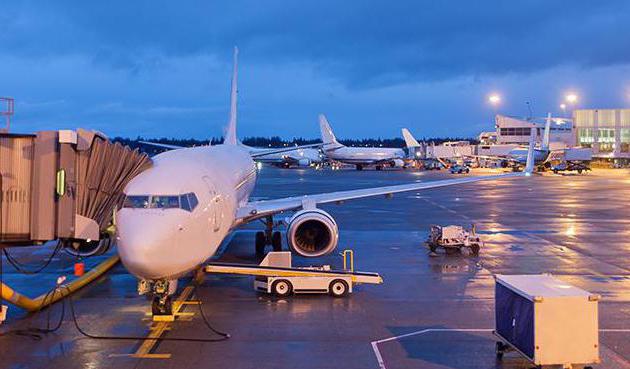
(519, 131)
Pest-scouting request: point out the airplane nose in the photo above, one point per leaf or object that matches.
(146, 249)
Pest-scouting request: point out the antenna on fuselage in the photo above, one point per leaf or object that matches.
(230, 134)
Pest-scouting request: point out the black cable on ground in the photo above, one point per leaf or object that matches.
(37, 333)
(224, 336)
(20, 267)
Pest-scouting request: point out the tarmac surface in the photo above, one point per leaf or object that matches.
(431, 311)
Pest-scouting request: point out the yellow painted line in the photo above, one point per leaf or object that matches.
(160, 327)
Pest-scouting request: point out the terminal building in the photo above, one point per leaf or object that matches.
(606, 131)
(513, 130)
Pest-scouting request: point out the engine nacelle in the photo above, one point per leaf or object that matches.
(304, 162)
(86, 248)
(397, 163)
(312, 233)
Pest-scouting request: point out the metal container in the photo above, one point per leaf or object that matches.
(546, 320)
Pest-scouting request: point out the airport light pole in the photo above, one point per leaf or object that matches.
(563, 107)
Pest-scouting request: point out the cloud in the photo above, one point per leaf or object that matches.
(364, 44)
(158, 67)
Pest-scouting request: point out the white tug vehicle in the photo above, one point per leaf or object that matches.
(454, 238)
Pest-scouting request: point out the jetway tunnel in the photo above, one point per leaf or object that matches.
(62, 185)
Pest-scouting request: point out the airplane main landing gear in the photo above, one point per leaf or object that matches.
(268, 237)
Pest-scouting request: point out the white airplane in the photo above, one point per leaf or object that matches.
(177, 213)
(517, 157)
(358, 156)
(302, 157)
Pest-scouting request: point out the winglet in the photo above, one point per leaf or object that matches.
(410, 141)
(230, 134)
(328, 137)
(529, 166)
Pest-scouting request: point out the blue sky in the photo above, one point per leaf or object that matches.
(154, 68)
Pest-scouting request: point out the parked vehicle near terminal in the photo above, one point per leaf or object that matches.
(459, 169)
(570, 166)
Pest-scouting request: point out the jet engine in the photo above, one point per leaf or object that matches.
(86, 248)
(397, 163)
(304, 162)
(312, 233)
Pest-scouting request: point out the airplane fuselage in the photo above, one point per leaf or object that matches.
(299, 157)
(364, 155)
(520, 155)
(160, 234)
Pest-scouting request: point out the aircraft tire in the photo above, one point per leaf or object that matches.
(276, 241)
(260, 243)
(359, 167)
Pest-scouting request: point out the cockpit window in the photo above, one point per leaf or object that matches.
(137, 202)
(187, 201)
(165, 202)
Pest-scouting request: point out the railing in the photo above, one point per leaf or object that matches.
(8, 113)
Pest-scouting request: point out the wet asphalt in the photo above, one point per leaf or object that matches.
(575, 227)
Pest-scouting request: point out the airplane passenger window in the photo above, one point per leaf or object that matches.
(165, 202)
(136, 202)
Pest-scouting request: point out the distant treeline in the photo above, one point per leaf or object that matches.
(275, 141)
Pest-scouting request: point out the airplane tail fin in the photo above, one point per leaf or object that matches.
(529, 165)
(410, 141)
(545, 141)
(328, 137)
(230, 134)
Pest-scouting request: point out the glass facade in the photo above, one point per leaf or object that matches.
(607, 131)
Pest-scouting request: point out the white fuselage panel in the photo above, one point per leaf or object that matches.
(166, 243)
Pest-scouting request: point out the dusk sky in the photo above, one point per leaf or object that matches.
(153, 69)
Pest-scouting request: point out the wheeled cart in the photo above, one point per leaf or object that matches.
(546, 320)
(453, 238)
(276, 275)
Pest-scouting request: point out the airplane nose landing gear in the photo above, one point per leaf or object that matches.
(161, 291)
(268, 237)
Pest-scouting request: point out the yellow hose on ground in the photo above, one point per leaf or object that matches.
(8, 294)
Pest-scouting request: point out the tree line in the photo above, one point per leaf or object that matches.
(275, 141)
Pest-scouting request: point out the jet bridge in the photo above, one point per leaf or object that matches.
(62, 185)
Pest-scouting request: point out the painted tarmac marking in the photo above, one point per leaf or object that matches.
(381, 362)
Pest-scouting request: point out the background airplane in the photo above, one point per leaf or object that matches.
(360, 157)
(302, 157)
(177, 213)
(517, 157)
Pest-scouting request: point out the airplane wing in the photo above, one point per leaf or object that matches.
(253, 154)
(258, 154)
(164, 146)
(258, 209)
